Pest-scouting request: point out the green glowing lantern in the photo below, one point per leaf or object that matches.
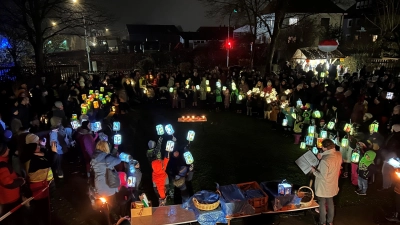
(331, 125)
(90, 92)
(103, 101)
(373, 127)
(303, 145)
(84, 108)
(317, 114)
(101, 89)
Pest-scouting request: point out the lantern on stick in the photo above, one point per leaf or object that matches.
(169, 129)
(355, 156)
(303, 145)
(117, 139)
(309, 141)
(101, 96)
(347, 128)
(103, 101)
(170, 146)
(240, 97)
(224, 88)
(373, 127)
(84, 97)
(171, 89)
(101, 89)
(323, 134)
(75, 124)
(208, 89)
(74, 117)
(331, 125)
(190, 135)
(311, 131)
(315, 150)
(113, 108)
(299, 103)
(116, 126)
(84, 108)
(160, 129)
(344, 143)
(90, 92)
(317, 114)
(197, 87)
(95, 104)
(319, 142)
(285, 122)
(188, 157)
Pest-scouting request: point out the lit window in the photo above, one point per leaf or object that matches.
(374, 38)
(293, 21)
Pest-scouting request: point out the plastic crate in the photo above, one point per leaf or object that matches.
(260, 204)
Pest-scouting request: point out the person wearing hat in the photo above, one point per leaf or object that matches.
(58, 110)
(38, 169)
(86, 143)
(10, 185)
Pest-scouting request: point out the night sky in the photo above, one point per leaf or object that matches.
(190, 14)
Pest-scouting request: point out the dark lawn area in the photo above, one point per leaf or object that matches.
(230, 148)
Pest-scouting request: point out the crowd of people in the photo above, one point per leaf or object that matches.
(36, 122)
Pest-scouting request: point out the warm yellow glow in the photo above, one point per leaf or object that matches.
(54, 23)
(398, 174)
(74, 1)
(103, 200)
(106, 29)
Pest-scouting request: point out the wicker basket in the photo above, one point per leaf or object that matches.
(205, 207)
(302, 194)
(180, 182)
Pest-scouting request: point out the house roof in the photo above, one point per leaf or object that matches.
(208, 33)
(315, 53)
(306, 6)
(143, 28)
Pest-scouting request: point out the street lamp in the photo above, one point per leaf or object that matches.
(53, 23)
(229, 26)
(86, 39)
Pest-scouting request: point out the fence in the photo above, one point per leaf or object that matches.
(391, 64)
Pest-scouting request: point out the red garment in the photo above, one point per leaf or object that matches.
(268, 89)
(9, 184)
(37, 187)
(159, 175)
(123, 180)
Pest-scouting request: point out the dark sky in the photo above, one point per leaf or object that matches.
(190, 14)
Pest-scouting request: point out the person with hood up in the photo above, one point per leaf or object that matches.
(10, 185)
(159, 166)
(86, 143)
(365, 171)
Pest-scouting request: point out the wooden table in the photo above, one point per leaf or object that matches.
(168, 215)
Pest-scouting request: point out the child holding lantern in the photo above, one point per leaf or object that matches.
(365, 171)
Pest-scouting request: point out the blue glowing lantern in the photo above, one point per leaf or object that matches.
(323, 134)
(75, 124)
(218, 84)
(188, 157)
(117, 139)
(169, 129)
(315, 150)
(131, 181)
(132, 168)
(98, 126)
(299, 103)
(309, 141)
(284, 122)
(170, 146)
(116, 126)
(355, 157)
(125, 157)
(190, 135)
(160, 129)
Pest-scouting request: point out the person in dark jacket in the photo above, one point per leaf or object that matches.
(86, 143)
(365, 170)
(10, 185)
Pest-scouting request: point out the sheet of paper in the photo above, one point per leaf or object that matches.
(311, 158)
(306, 161)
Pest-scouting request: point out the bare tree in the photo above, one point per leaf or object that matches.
(39, 20)
(387, 19)
(15, 46)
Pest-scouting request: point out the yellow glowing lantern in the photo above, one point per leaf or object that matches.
(331, 125)
(84, 97)
(95, 104)
(347, 128)
(101, 89)
(322, 74)
(355, 157)
(373, 127)
(240, 97)
(303, 145)
(101, 96)
(96, 95)
(74, 117)
(319, 142)
(84, 109)
(208, 89)
(317, 114)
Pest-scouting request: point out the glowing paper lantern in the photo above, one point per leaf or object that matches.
(84, 97)
(190, 135)
(125, 157)
(170, 146)
(218, 84)
(249, 92)
(75, 124)
(294, 115)
(101, 89)
(197, 87)
(90, 92)
(224, 88)
(256, 90)
(208, 89)
(309, 141)
(132, 181)
(317, 114)
(103, 101)
(97, 126)
(344, 143)
(331, 125)
(74, 117)
(287, 91)
(285, 122)
(169, 129)
(322, 74)
(319, 142)
(262, 94)
(207, 82)
(315, 150)
(303, 145)
(112, 108)
(96, 104)
(323, 134)
(132, 168)
(373, 127)
(355, 157)
(299, 103)
(347, 128)
(84, 108)
(101, 96)
(240, 97)
(311, 130)
(116, 126)
(171, 89)
(117, 139)
(188, 157)
(160, 129)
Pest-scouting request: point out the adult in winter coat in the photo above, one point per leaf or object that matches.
(101, 161)
(86, 143)
(10, 185)
(326, 180)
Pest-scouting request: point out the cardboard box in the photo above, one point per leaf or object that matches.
(139, 212)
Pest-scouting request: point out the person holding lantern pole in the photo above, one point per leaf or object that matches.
(159, 166)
